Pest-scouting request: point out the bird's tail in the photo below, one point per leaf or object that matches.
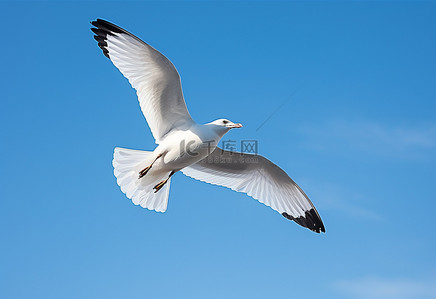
(127, 165)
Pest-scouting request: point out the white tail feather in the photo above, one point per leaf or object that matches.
(127, 165)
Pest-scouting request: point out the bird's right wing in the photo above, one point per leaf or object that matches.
(154, 77)
(260, 179)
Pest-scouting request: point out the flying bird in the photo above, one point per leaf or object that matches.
(182, 144)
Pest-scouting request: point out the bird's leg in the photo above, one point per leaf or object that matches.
(146, 169)
(161, 184)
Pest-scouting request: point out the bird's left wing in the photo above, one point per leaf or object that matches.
(260, 179)
(154, 77)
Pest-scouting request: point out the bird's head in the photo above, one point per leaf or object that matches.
(225, 123)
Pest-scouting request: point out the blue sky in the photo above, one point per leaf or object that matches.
(356, 128)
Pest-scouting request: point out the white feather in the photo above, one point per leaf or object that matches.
(254, 175)
(156, 81)
(127, 163)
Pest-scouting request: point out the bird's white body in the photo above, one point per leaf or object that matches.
(184, 145)
(182, 148)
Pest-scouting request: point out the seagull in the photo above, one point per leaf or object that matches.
(182, 144)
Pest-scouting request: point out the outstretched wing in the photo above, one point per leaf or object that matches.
(261, 179)
(154, 77)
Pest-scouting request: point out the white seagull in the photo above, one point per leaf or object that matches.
(185, 145)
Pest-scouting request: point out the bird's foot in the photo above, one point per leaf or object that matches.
(144, 171)
(159, 186)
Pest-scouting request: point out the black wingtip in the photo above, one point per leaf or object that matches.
(101, 32)
(102, 29)
(310, 220)
(108, 26)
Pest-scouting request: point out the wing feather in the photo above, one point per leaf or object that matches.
(154, 77)
(260, 179)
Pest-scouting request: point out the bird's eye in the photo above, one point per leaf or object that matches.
(225, 121)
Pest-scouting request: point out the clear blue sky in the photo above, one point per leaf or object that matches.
(358, 134)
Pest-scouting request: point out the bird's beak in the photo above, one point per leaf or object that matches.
(236, 126)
